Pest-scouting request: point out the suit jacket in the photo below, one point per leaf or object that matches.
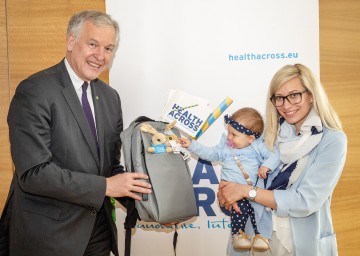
(59, 182)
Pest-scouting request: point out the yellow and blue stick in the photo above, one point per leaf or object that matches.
(214, 115)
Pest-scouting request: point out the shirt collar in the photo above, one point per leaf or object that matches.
(77, 81)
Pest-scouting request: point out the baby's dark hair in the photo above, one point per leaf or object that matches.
(250, 118)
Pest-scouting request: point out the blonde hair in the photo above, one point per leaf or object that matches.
(321, 102)
(250, 118)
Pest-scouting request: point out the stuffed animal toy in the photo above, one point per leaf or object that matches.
(170, 136)
(159, 143)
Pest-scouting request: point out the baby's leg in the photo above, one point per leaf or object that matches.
(251, 214)
(238, 220)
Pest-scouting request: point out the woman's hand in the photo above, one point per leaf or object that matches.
(229, 193)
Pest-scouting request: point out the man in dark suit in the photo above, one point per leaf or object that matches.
(65, 145)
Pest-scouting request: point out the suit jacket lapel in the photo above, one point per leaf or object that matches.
(72, 99)
(99, 122)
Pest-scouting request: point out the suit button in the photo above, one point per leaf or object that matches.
(93, 212)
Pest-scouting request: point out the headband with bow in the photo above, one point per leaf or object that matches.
(239, 127)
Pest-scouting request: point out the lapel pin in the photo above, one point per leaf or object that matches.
(97, 98)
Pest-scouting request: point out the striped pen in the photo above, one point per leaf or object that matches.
(191, 106)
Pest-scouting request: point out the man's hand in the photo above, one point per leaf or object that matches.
(127, 184)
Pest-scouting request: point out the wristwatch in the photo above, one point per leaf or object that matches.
(252, 193)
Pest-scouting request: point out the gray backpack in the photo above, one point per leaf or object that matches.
(172, 198)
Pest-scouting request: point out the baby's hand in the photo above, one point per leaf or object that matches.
(185, 143)
(263, 170)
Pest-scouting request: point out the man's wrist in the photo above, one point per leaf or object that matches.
(108, 187)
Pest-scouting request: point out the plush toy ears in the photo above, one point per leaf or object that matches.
(148, 128)
(168, 128)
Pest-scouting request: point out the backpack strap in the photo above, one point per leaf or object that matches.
(131, 212)
(130, 222)
(175, 240)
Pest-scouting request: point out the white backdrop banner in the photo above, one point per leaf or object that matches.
(210, 49)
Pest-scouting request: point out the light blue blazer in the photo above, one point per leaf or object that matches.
(307, 201)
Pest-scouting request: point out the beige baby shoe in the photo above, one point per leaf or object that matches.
(241, 241)
(260, 243)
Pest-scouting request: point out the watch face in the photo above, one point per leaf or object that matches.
(252, 193)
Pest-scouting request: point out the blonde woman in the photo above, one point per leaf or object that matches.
(307, 131)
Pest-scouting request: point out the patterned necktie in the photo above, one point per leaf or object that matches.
(87, 110)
